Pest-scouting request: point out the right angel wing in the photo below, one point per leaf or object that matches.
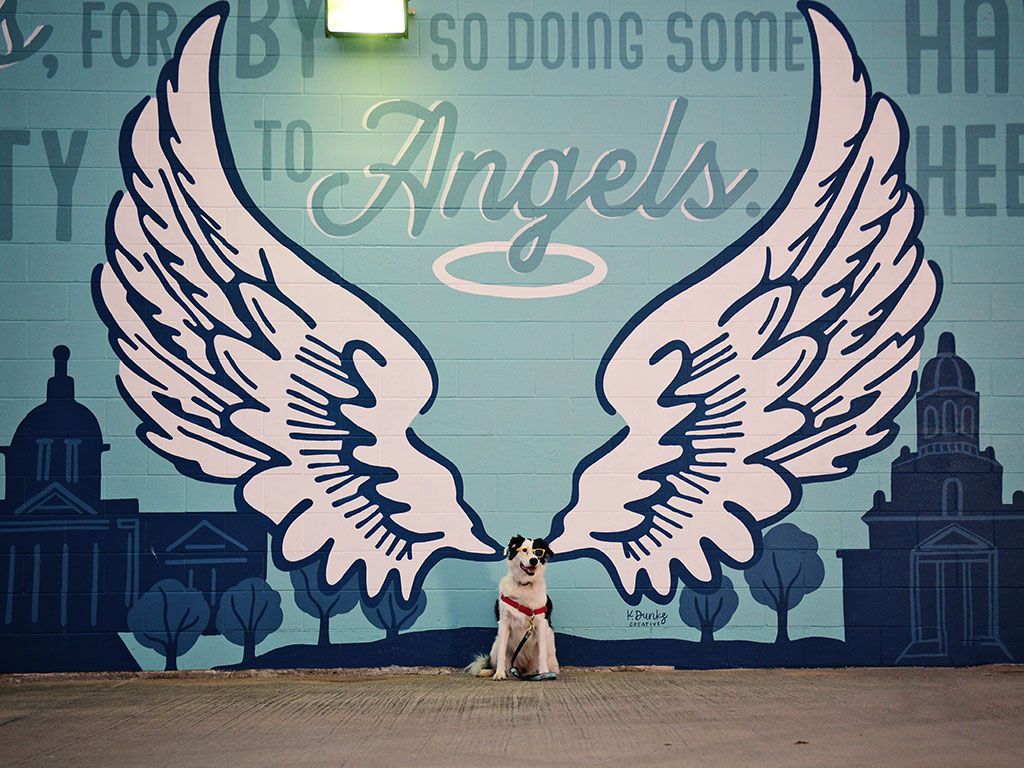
(250, 363)
(784, 361)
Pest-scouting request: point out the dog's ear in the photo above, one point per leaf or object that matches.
(542, 544)
(513, 545)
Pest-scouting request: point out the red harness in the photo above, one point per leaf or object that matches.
(522, 608)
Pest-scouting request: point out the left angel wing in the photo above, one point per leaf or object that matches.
(783, 362)
(250, 363)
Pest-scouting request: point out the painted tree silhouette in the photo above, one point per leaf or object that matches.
(249, 612)
(391, 615)
(788, 569)
(169, 619)
(710, 611)
(320, 604)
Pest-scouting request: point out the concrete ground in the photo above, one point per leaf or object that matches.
(967, 718)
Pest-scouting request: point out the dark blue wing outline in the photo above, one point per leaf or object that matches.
(715, 556)
(149, 427)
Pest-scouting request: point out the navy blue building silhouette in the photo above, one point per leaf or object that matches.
(943, 578)
(207, 552)
(72, 563)
(69, 558)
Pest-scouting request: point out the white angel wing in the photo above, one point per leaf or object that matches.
(784, 361)
(251, 363)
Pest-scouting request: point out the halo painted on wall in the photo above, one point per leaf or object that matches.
(597, 274)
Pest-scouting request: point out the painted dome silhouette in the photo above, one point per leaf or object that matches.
(948, 407)
(946, 370)
(60, 415)
(58, 443)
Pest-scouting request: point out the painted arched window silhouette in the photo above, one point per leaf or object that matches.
(949, 418)
(952, 497)
(967, 420)
(931, 421)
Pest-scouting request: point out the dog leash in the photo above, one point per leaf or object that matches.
(515, 655)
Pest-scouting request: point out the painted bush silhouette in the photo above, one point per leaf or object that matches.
(249, 613)
(788, 569)
(708, 612)
(392, 616)
(169, 619)
(320, 604)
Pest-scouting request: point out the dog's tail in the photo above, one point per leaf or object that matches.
(480, 666)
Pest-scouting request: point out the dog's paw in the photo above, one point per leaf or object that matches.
(500, 675)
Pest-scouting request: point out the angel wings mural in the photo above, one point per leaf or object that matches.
(783, 361)
(251, 363)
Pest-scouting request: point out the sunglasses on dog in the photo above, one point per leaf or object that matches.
(537, 551)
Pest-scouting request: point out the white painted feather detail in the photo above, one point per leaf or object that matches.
(784, 361)
(250, 363)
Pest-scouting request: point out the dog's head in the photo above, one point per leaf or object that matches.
(527, 557)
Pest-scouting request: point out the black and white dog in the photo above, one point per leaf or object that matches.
(522, 601)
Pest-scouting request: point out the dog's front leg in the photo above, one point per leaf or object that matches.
(500, 654)
(552, 655)
(544, 641)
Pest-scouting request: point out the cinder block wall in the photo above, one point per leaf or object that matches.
(488, 206)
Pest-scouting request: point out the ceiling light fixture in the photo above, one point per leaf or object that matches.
(380, 18)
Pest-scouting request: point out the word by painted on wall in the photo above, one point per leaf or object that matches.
(126, 30)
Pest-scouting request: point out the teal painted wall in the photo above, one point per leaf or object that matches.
(515, 407)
